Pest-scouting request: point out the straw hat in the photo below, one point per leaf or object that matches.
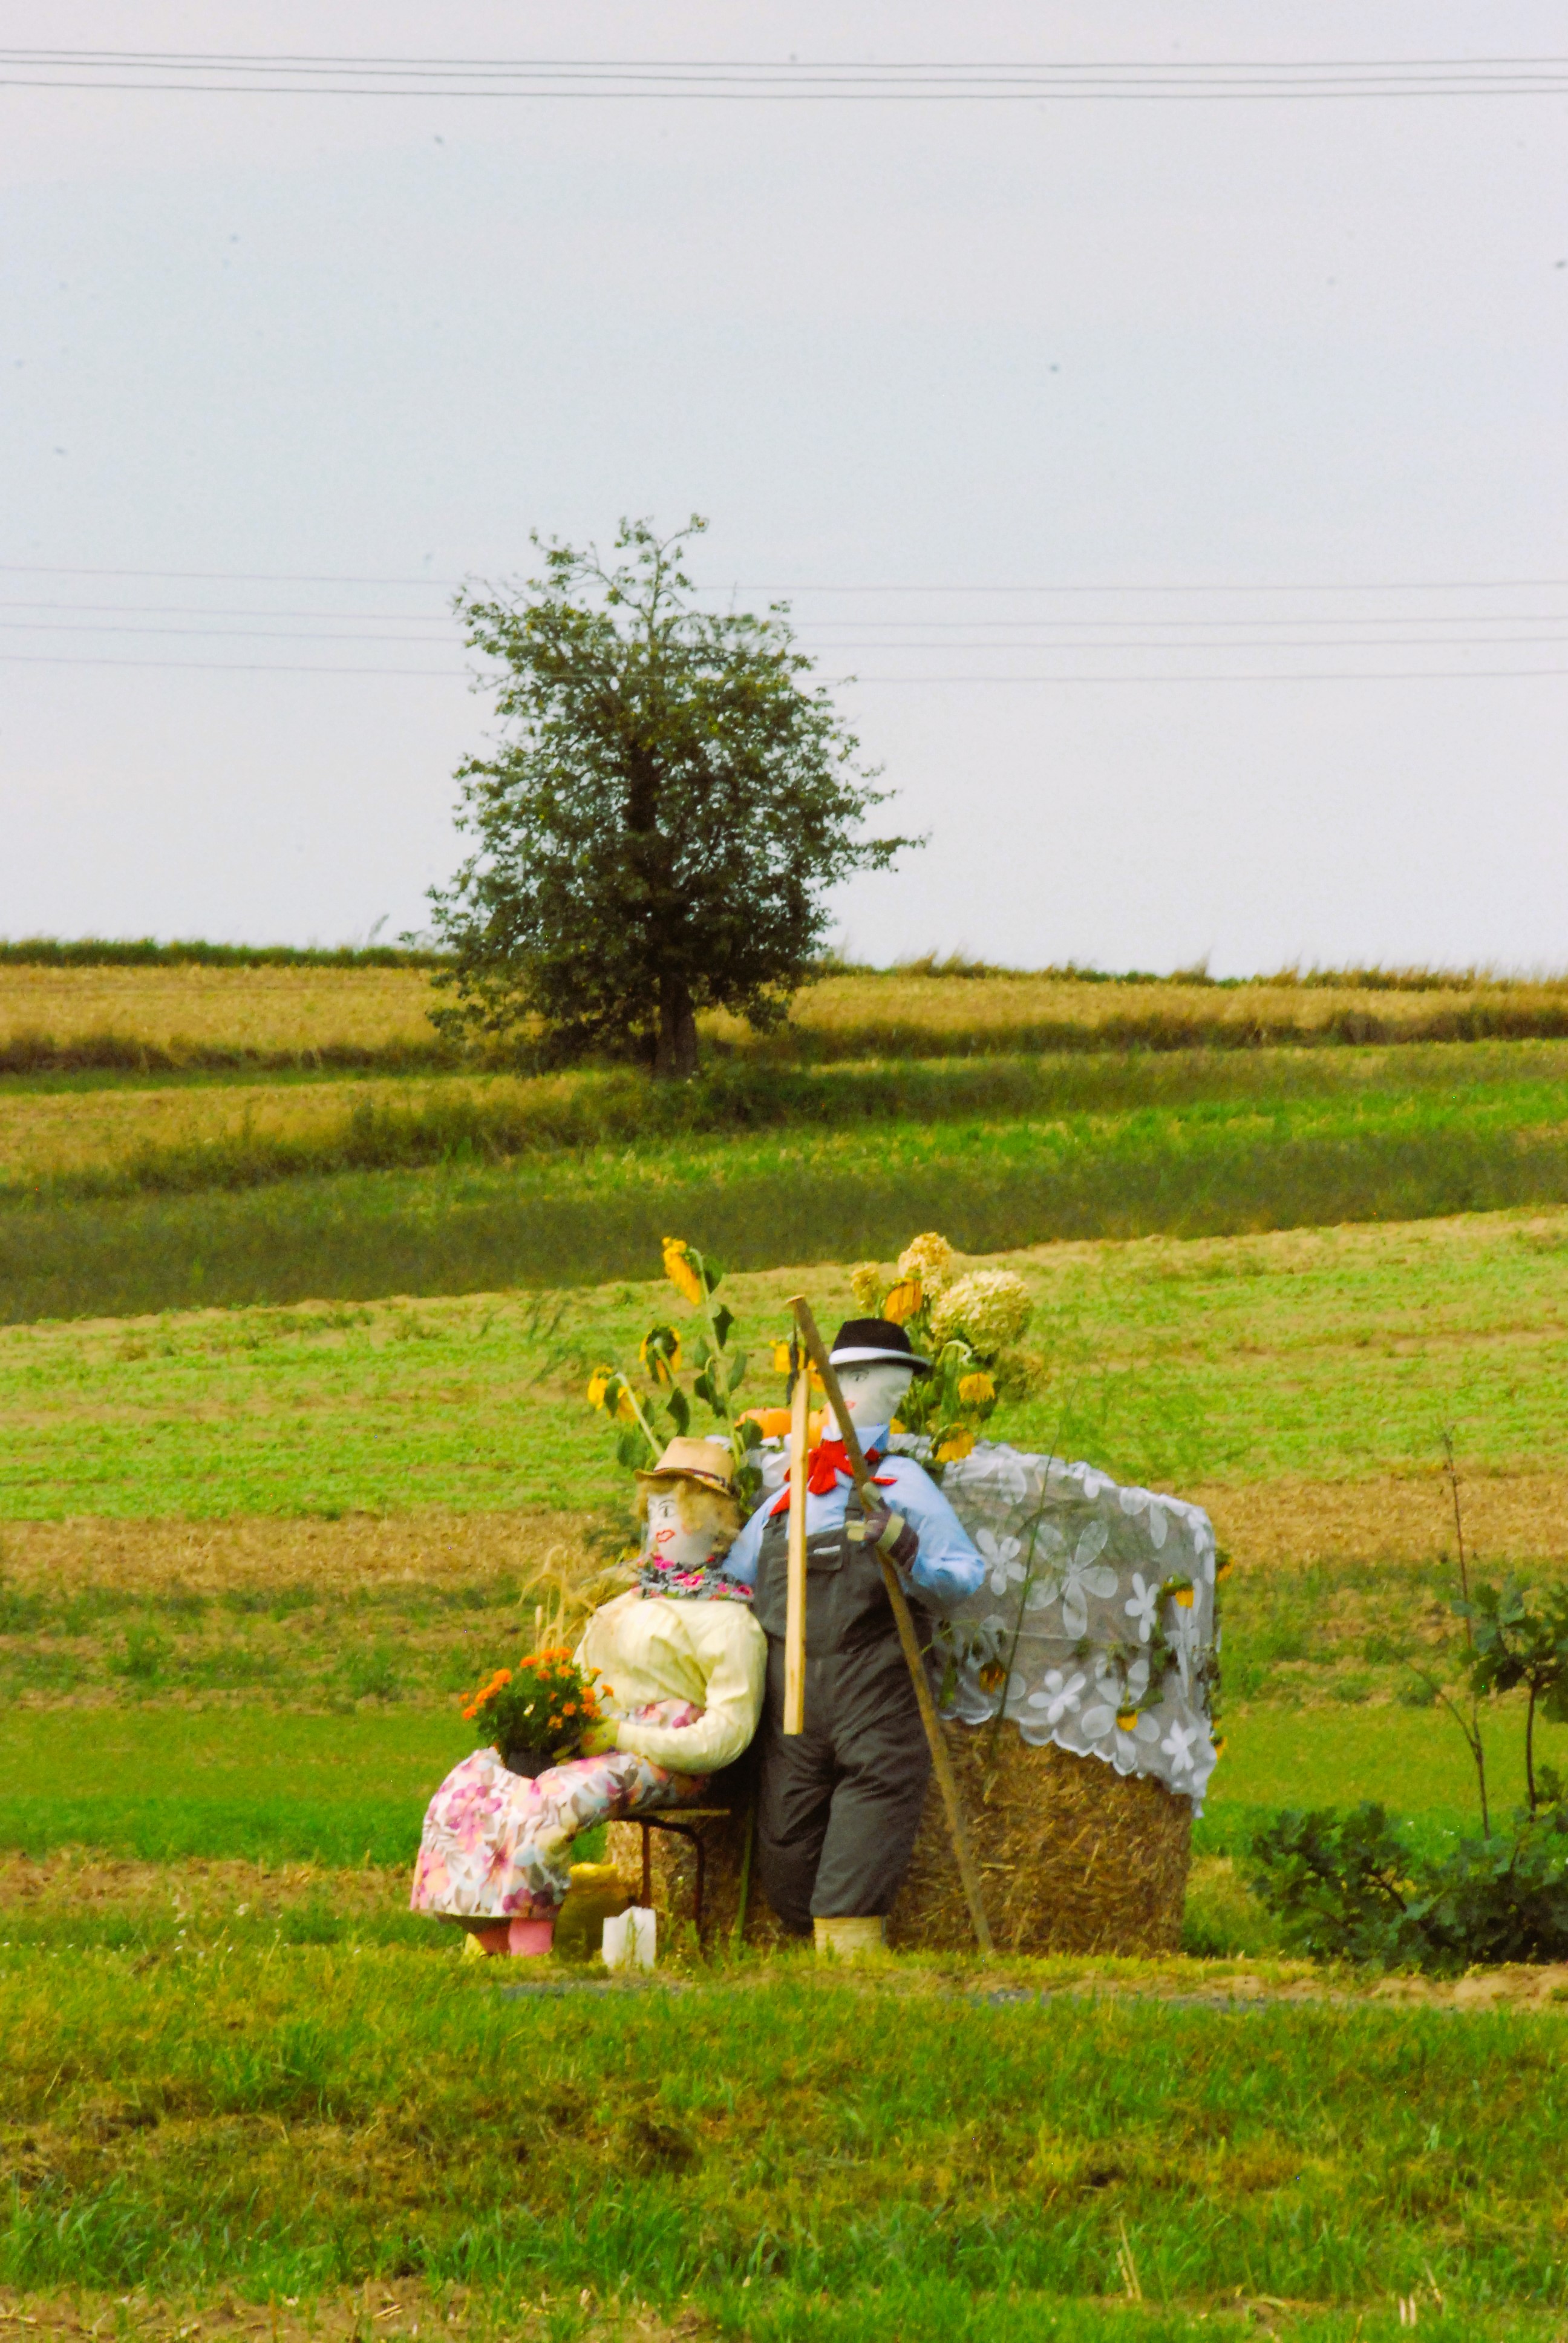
(707, 1460)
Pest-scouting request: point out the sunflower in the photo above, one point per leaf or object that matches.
(681, 1269)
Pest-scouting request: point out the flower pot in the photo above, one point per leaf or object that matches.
(530, 1764)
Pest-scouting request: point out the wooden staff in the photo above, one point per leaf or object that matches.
(817, 1352)
(795, 1583)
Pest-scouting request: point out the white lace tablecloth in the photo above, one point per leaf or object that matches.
(1095, 1628)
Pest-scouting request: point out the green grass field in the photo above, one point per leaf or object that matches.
(798, 1167)
(159, 1784)
(292, 1437)
(303, 2119)
(1326, 1353)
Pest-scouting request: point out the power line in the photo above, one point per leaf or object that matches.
(872, 643)
(216, 576)
(210, 634)
(1254, 586)
(815, 627)
(752, 81)
(216, 610)
(1237, 585)
(216, 666)
(1319, 675)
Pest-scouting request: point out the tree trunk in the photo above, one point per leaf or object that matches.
(675, 1051)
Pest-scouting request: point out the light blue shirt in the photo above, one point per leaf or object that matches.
(947, 1566)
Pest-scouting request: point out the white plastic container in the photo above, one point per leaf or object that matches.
(630, 1941)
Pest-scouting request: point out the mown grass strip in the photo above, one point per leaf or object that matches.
(182, 1139)
(315, 2118)
(146, 952)
(363, 1234)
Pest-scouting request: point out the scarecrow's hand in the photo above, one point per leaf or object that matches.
(889, 1532)
(601, 1738)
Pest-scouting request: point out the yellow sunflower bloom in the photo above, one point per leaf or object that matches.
(903, 1301)
(956, 1445)
(681, 1270)
(976, 1389)
(598, 1385)
(659, 1352)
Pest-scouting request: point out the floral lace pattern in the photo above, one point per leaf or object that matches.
(1094, 1626)
(496, 1847)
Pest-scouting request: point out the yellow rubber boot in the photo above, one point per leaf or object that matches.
(846, 1940)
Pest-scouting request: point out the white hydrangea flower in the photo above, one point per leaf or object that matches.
(866, 1285)
(989, 1306)
(930, 1260)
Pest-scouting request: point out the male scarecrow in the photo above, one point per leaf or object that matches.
(839, 1804)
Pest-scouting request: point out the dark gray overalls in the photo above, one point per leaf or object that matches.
(839, 1804)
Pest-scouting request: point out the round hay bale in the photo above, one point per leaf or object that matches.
(1073, 1857)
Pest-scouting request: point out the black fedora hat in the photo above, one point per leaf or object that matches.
(870, 1341)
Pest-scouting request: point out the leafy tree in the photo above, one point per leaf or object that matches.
(660, 821)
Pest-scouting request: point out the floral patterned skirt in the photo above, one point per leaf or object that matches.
(496, 1846)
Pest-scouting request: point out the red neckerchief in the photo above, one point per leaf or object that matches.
(828, 1465)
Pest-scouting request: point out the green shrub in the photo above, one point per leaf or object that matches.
(1350, 1886)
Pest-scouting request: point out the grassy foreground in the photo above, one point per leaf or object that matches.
(247, 1553)
(314, 2118)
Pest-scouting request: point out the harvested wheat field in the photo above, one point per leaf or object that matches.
(197, 1016)
(194, 1015)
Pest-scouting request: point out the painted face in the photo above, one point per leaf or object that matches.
(668, 1539)
(872, 1393)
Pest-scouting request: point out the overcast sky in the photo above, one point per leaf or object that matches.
(1268, 393)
